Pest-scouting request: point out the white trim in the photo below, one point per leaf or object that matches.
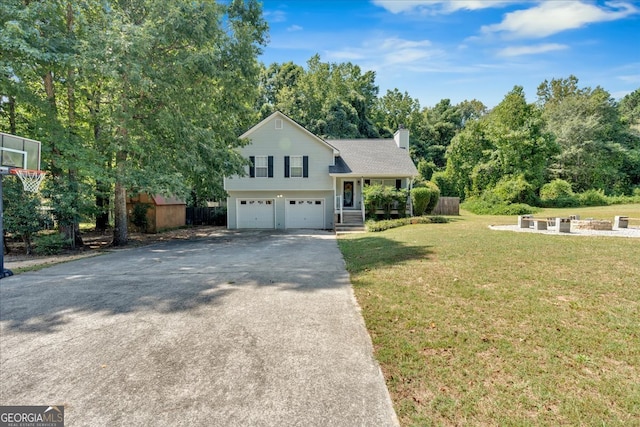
(24, 155)
(296, 156)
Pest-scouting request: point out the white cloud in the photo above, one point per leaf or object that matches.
(551, 17)
(389, 52)
(531, 50)
(294, 28)
(630, 78)
(275, 15)
(438, 6)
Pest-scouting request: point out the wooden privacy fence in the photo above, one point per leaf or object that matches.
(206, 216)
(447, 206)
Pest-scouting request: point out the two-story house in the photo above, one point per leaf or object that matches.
(299, 180)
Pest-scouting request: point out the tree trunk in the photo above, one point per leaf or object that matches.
(12, 115)
(120, 231)
(102, 203)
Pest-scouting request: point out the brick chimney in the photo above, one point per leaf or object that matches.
(401, 137)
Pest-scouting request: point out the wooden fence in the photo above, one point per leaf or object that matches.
(447, 206)
(206, 216)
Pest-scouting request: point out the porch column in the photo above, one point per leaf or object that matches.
(362, 198)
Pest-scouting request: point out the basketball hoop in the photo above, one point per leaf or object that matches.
(31, 179)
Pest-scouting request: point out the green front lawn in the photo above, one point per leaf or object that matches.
(479, 327)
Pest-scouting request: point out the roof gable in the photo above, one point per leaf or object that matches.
(285, 118)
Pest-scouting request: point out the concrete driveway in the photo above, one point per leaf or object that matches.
(241, 329)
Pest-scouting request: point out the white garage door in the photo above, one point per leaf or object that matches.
(305, 213)
(256, 213)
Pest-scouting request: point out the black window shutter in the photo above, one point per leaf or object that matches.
(286, 166)
(252, 167)
(398, 184)
(270, 166)
(305, 166)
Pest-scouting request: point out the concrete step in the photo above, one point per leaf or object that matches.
(350, 228)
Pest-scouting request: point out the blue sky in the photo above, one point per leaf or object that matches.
(464, 49)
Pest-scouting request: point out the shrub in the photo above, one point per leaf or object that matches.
(22, 213)
(435, 196)
(385, 198)
(515, 190)
(489, 204)
(51, 244)
(374, 226)
(446, 184)
(420, 197)
(558, 194)
(593, 198)
(426, 169)
(139, 216)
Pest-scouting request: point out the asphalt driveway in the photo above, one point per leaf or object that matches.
(240, 329)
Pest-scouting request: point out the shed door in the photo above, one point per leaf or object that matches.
(256, 213)
(305, 213)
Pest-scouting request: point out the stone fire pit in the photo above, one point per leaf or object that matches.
(591, 224)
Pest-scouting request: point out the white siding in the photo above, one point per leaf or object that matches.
(288, 141)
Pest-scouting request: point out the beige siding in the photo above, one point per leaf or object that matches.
(288, 141)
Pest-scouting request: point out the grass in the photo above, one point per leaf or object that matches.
(479, 327)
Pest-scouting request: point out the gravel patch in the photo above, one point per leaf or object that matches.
(621, 232)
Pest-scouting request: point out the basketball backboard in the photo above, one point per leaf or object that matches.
(17, 152)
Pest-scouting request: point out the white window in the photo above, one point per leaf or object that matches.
(295, 166)
(262, 166)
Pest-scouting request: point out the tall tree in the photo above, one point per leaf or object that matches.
(186, 75)
(334, 100)
(594, 141)
(509, 143)
(40, 50)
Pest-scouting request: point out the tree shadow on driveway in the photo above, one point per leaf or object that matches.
(170, 277)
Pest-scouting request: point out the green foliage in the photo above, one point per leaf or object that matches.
(433, 198)
(597, 148)
(593, 197)
(490, 204)
(420, 197)
(51, 244)
(446, 184)
(385, 198)
(426, 169)
(375, 226)
(22, 212)
(515, 190)
(329, 99)
(558, 194)
(139, 216)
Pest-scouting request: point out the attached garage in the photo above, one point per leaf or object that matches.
(305, 213)
(256, 213)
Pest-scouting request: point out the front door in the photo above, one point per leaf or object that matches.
(347, 194)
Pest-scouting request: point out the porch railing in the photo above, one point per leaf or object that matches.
(338, 207)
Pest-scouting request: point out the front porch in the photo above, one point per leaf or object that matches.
(349, 207)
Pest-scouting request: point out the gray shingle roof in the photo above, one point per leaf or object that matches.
(372, 157)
